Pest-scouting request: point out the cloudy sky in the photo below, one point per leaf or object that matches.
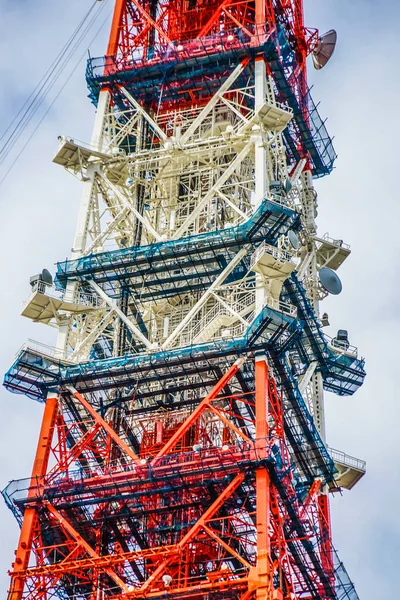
(357, 203)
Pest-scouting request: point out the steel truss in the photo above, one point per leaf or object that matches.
(187, 512)
(182, 452)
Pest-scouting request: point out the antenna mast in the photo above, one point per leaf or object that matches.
(184, 405)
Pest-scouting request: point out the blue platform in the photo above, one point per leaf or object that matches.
(180, 266)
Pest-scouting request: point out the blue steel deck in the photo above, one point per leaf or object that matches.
(178, 266)
(35, 374)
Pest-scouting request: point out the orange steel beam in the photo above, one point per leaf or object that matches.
(39, 469)
(221, 542)
(81, 542)
(228, 423)
(197, 412)
(119, 9)
(100, 421)
(324, 518)
(100, 562)
(203, 32)
(262, 480)
(260, 13)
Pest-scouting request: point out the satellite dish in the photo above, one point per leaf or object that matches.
(330, 281)
(325, 48)
(293, 239)
(287, 186)
(46, 277)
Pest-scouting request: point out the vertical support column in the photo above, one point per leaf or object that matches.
(260, 17)
(310, 205)
(326, 548)
(260, 162)
(262, 479)
(23, 552)
(84, 217)
(261, 187)
(96, 143)
(318, 404)
(116, 25)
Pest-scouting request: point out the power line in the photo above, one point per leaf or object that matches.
(46, 84)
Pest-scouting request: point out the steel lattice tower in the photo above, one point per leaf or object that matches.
(182, 452)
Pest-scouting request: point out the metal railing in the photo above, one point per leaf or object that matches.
(340, 243)
(235, 329)
(347, 460)
(43, 350)
(237, 304)
(277, 253)
(283, 307)
(342, 346)
(82, 298)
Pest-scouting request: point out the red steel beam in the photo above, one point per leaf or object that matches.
(100, 421)
(39, 470)
(262, 481)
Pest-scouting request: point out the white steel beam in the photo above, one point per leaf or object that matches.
(82, 227)
(126, 203)
(220, 279)
(107, 231)
(113, 305)
(305, 380)
(92, 336)
(230, 309)
(214, 189)
(95, 144)
(145, 115)
(260, 164)
(211, 103)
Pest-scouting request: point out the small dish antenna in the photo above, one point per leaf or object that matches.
(330, 281)
(287, 185)
(324, 50)
(293, 239)
(46, 277)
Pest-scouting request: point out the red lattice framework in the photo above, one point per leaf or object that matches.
(148, 29)
(202, 506)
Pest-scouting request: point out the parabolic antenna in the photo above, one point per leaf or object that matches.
(330, 281)
(293, 239)
(324, 50)
(46, 277)
(287, 185)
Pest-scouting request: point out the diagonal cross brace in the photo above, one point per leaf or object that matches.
(214, 189)
(231, 372)
(81, 542)
(113, 305)
(216, 505)
(98, 419)
(213, 101)
(192, 312)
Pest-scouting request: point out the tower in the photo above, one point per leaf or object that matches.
(182, 452)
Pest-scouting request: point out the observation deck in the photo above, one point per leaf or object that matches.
(349, 469)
